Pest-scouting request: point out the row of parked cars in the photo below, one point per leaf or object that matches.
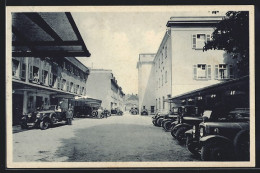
(218, 134)
(45, 118)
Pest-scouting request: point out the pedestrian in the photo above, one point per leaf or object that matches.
(69, 116)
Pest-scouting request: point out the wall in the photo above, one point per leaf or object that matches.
(184, 57)
(146, 81)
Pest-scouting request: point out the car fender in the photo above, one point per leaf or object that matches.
(214, 138)
(182, 125)
(189, 132)
(45, 117)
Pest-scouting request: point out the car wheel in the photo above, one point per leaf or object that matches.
(44, 124)
(213, 151)
(167, 126)
(241, 143)
(190, 146)
(173, 132)
(180, 134)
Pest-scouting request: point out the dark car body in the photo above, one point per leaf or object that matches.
(83, 111)
(225, 139)
(189, 116)
(134, 111)
(144, 112)
(167, 123)
(43, 118)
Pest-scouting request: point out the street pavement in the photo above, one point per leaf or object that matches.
(116, 138)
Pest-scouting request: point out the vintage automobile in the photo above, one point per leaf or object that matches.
(144, 111)
(134, 111)
(44, 118)
(83, 111)
(172, 117)
(191, 115)
(225, 139)
(158, 118)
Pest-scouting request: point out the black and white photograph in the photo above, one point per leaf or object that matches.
(130, 86)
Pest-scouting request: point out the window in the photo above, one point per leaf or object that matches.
(45, 77)
(50, 79)
(68, 86)
(63, 87)
(165, 52)
(159, 103)
(163, 102)
(23, 71)
(162, 54)
(165, 76)
(71, 87)
(224, 71)
(162, 80)
(199, 40)
(202, 71)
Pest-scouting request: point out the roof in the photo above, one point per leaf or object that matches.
(240, 83)
(194, 21)
(46, 35)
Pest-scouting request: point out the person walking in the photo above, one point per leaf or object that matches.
(69, 116)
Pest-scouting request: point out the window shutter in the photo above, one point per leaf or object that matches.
(208, 37)
(216, 71)
(209, 71)
(194, 71)
(58, 80)
(30, 72)
(50, 79)
(231, 72)
(23, 70)
(68, 86)
(194, 41)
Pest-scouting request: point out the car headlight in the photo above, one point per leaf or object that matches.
(201, 131)
(194, 129)
(29, 115)
(216, 130)
(38, 115)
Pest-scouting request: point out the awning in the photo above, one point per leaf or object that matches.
(46, 35)
(241, 84)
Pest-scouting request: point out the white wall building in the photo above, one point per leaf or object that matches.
(180, 64)
(102, 85)
(146, 82)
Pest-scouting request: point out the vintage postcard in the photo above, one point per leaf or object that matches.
(130, 86)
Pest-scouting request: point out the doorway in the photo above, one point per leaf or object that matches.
(17, 108)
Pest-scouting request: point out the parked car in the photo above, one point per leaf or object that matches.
(83, 111)
(172, 117)
(191, 115)
(44, 118)
(144, 111)
(225, 139)
(134, 111)
(119, 112)
(158, 118)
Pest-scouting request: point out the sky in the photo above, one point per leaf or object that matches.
(115, 40)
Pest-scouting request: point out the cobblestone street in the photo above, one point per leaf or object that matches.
(117, 138)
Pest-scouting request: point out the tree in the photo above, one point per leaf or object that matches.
(232, 35)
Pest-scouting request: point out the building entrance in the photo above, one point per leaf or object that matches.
(39, 102)
(17, 108)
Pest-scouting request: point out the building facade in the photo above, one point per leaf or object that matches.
(103, 85)
(41, 82)
(180, 64)
(131, 101)
(146, 82)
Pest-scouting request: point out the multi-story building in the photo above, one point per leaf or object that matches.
(146, 82)
(180, 64)
(103, 85)
(44, 68)
(41, 82)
